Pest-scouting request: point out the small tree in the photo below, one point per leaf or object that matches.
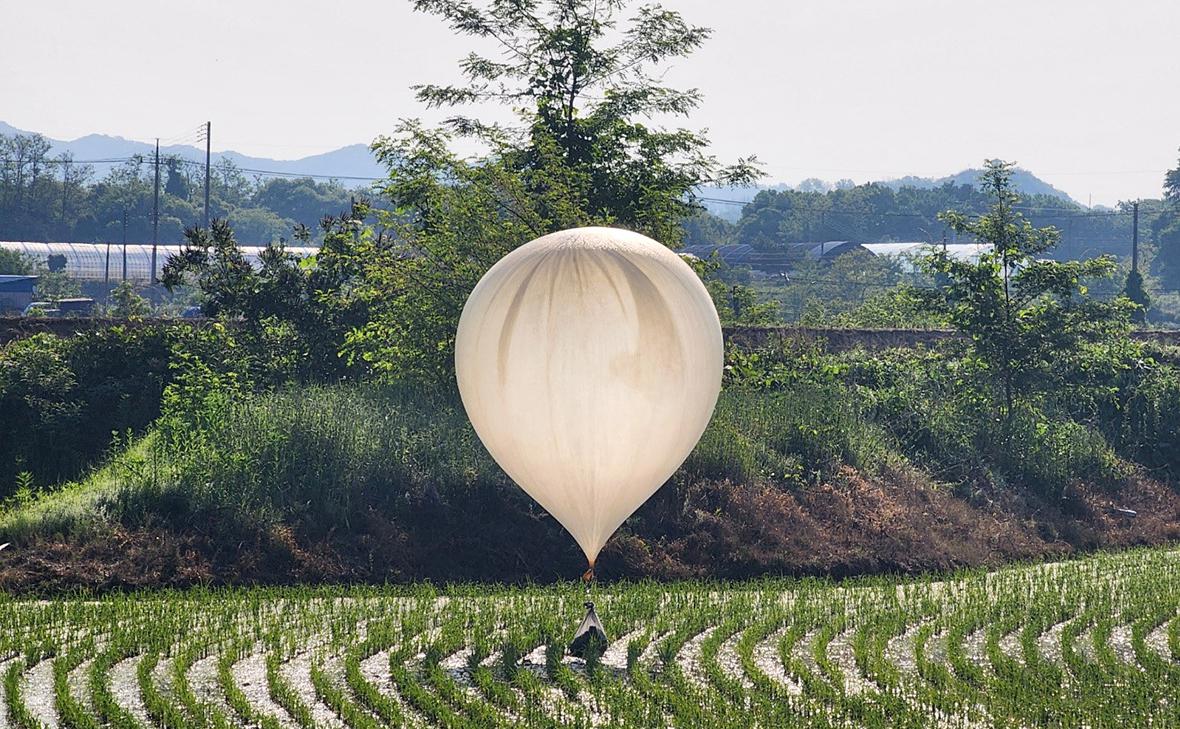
(1025, 317)
(307, 304)
(1136, 293)
(127, 304)
(56, 285)
(16, 263)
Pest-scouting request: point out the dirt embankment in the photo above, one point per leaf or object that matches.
(897, 523)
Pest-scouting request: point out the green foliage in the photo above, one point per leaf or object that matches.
(816, 291)
(706, 229)
(1137, 294)
(902, 307)
(581, 155)
(291, 313)
(44, 198)
(318, 456)
(782, 630)
(452, 220)
(56, 285)
(737, 303)
(584, 87)
(127, 304)
(1172, 185)
(934, 410)
(877, 213)
(1025, 316)
(63, 398)
(15, 263)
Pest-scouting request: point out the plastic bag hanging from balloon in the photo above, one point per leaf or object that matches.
(590, 634)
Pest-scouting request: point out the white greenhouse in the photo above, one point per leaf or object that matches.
(105, 261)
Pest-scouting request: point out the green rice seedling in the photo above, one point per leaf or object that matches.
(1083, 641)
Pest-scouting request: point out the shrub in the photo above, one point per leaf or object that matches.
(63, 399)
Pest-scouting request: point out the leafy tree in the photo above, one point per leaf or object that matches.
(1166, 230)
(585, 89)
(301, 201)
(1026, 317)
(1172, 185)
(452, 220)
(177, 183)
(875, 212)
(1136, 293)
(583, 152)
(294, 313)
(817, 291)
(56, 285)
(706, 229)
(16, 263)
(127, 304)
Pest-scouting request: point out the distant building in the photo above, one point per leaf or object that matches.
(104, 262)
(783, 260)
(777, 261)
(968, 252)
(16, 292)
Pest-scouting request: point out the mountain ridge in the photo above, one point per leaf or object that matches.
(355, 166)
(352, 164)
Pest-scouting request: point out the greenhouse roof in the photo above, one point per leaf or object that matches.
(104, 261)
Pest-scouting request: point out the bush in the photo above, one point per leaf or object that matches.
(933, 408)
(319, 455)
(796, 435)
(64, 399)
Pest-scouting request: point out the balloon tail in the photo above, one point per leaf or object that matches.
(587, 578)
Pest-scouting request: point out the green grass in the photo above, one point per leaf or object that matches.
(324, 455)
(456, 657)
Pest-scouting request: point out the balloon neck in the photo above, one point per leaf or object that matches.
(588, 577)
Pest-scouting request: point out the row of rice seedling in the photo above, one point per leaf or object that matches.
(1086, 642)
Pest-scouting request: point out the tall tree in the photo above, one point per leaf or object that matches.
(1167, 260)
(1024, 316)
(1172, 185)
(585, 90)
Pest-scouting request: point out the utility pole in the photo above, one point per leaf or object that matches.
(156, 214)
(124, 242)
(1135, 237)
(65, 183)
(208, 143)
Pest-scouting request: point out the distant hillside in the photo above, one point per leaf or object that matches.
(720, 201)
(353, 161)
(1026, 182)
(356, 161)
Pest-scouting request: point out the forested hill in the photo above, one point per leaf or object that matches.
(1025, 182)
(720, 201)
(775, 219)
(105, 191)
(99, 188)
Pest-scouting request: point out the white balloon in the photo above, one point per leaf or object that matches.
(589, 362)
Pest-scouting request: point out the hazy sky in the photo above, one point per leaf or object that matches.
(1084, 93)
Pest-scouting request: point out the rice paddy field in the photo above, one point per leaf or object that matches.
(1092, 642)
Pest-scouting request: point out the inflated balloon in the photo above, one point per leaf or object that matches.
(589, 362)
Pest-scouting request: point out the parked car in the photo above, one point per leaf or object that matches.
(76, 307)
(41, 308)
